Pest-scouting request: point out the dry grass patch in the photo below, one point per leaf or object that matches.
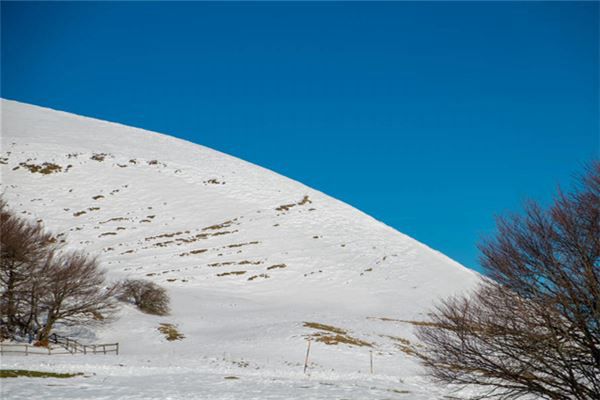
(232, 273)
(286, 207)
(242, 244)
(199, 251)
(114, 219)
(16, 373)
(107, 234)
(332, 335)
(214, 181)
(98, 156)
(44, 168)
(248, 262)
(403, 344)
(222, 264)
(253, 277)
(216, 227)
(323, 327)
(277, 266)
(170, 331)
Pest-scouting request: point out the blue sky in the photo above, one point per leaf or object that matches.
(432, 117)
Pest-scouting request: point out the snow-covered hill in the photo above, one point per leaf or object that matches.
(254, 262)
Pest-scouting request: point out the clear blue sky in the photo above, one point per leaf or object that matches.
(432, 117)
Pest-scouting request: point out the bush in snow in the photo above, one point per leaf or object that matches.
(147, 296)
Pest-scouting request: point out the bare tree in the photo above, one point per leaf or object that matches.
(41, 285)
(533, 327)
(75, 292)
(147, 296)
(24, 248)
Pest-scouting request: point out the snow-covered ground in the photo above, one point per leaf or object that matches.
(249, 257)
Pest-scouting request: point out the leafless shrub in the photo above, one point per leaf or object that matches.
(147, 296)
(533, 328)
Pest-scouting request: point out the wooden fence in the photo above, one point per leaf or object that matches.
(59, 345)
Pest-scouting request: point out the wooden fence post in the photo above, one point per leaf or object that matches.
(117, 348)
(371, 355)
(307, 354)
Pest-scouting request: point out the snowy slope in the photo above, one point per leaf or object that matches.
(248, 257)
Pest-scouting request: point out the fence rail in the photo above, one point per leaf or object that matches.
(59, 345)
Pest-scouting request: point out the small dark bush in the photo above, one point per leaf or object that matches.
(147, 296)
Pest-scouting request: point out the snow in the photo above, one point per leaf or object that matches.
(341, 268)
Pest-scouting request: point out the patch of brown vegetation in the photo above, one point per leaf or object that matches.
(276, 266)
(232, 273)
(324, 327)
(98, 156)
(222, 264)
(332, 335)
(403, 344)
(286, 207)
(242, 244)
(305, 200)
(107, 234)
(44, 168)
(78, 213)
(166, 235)
(199, 251)
(214, 181)
(223, 233)
(248, 262)
(114, 219)
(253, 277)
(225, 224)
(98, 197)
(170, 331)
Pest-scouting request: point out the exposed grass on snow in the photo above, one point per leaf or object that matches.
(286, 207)
(170, 331)
(332, 335)
(216, 227)
(16, 373)
(232, 273)
(253, 277)
(44, 168)
(276, 266)
(403, 344)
